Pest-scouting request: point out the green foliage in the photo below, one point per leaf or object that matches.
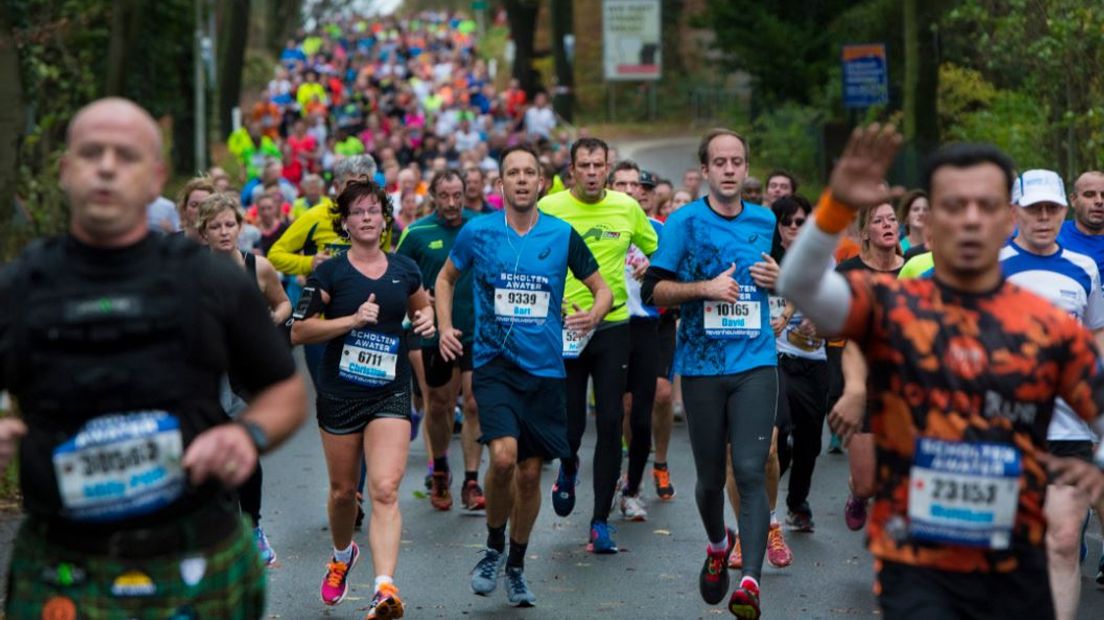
(1050, 53)
(973, 110)
(788, 137)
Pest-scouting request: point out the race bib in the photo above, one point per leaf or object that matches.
(574, 342)
(522, 298)
(741, 319)
(777, 306)
(368, 358)
(964, 493)
(120, 466)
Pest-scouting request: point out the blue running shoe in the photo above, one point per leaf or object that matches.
(484, 577)
(517, 588)
(563, 493)
(600, 539)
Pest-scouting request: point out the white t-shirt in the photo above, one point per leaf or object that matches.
(540, 121)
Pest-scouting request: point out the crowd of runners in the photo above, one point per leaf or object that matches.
(452, 260)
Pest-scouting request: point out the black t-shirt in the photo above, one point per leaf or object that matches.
(267, 239)
(98, 345)
(368, 363)
(856, 262)
(915, 250)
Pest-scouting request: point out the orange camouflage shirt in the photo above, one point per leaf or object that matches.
(983, 368)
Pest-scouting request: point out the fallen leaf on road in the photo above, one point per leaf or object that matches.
(662, 532)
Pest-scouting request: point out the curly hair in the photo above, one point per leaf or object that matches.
(350, 196)
(213, 206)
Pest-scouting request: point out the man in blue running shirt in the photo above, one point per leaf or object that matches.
(714, 263)
(520, 259)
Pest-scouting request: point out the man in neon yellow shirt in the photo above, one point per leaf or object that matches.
(609, 222)
(309, 89)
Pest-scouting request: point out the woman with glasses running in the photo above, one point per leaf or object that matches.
(363, 403)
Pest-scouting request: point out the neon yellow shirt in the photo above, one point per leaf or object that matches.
(608, 227)
(308, 235)
(917, 266)
(300, 206)
(307, 91)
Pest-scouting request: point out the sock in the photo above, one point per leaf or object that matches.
(382, 579)
(496, 537)
(345, 555)
(440, 464)
(773, 519)
(570, 466)
(516, 557)
(750, 583)
(471, 476)
(659, 466)
(719, 547)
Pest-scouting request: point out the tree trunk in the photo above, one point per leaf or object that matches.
(921, 83)
(283, 18)
(123, 13)
(234, 30)
(522, 15)
(562, 25)
(12, 112)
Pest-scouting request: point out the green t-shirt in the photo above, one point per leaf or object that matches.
(428, 242)
(608, 227)
(917, 266)
(349, 146)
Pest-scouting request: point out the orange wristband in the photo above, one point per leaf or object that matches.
(831, 215)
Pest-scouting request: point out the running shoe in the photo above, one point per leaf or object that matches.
(265, 549)
(801, 520)
(415, 422)
(484, 577)
(736, 556)
(563, 493)
(835, 444)
(335, 585)
(632, 507)
(386, 604)
(601, 540)
(360, 512)
(745, 600)
(517, 588)
(440, 495)
(1100, 572)
(778, 553)
(471, 496)
(664, 489)
(854, 513)
(678, 414)
(713, 580)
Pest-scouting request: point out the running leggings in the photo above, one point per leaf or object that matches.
(806, 391)
(643, 366)
(606, 360)
(738, 410)
(249, 495)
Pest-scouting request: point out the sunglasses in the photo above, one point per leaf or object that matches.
(795, 221)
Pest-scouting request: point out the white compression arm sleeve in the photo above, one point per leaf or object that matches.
(809, 281)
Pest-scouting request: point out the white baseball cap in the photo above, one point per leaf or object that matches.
(1035, 186)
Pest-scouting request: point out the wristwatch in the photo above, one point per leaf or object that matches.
(256, 433)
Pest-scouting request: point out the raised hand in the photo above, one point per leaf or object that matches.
(858, 180)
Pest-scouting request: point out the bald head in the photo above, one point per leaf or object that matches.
(121, 112)
(1087, 200)
(111, 171)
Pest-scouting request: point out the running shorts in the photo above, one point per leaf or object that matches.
(514, 403)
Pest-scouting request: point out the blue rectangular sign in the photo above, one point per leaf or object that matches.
(865, 75)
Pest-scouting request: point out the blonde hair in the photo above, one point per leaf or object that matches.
(214, 205)
(203, 183)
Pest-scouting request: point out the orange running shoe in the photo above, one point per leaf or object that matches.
(664, 489)
(778, 553)
(386, 604)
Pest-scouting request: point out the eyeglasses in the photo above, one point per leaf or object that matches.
(794, 221)
(364, 212)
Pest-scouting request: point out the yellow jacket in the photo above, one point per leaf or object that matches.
(309, 234)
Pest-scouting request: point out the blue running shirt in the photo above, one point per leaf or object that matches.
(519, 285)
(1076, 241)
(698, 244)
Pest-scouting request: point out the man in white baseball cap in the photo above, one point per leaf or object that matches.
(1038, 262)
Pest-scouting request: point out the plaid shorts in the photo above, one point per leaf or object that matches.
(49, 581)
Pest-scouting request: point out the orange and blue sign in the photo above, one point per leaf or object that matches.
(865, 75)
